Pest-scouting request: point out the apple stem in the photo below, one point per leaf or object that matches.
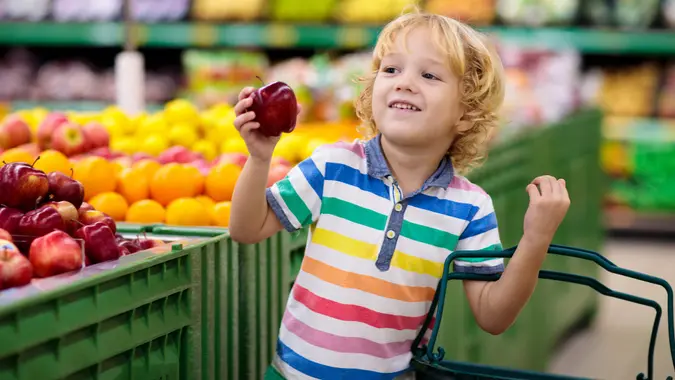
(262, 81)
(72, 172)
(34, 162)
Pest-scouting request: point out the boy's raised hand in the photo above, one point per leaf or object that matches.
(549, 202)
(259, 145)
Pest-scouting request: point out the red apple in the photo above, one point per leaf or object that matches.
(276, 174)
(64, 188)
(99, 242)
(84, 208)
(142, 156)
(96, 135)
(47, 127)
(40, 222)
(128, 245)
(203, 166)
(95, 216)
(22, 186)
(69, 139)
(145, 243)
(234, 158)
(15, 269)
(14, 132)
(9, 219)
(178, 154)
(55, 253)
(276, 108)
(5, 235)
(66, 209)
(280, 161)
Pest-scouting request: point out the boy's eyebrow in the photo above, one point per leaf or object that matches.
(427, 59)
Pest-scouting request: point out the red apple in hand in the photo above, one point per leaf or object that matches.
(95, 216)
(15, 269)
(22, 186)
(9, 219)
(47, 127)
(96, 135)
(64, 188)
(14, 132)
(99, 242)
(69, 139)
(55, 253)
(276, 108)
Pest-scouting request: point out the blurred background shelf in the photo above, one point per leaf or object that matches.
(205, 34)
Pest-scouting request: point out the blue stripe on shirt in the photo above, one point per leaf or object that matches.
(313, 176)
(459, 210)
(350, 176)
(321, 371)
(480, 226)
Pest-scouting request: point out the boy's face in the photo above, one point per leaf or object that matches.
(416, 95)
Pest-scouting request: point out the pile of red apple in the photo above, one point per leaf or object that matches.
(55, 132)
(45, 227)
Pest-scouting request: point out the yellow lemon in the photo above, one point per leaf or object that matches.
(206, 148)
(127, 145)
(183, 134)
(153, 124)
(154, 144)
(180, 111)
(234, 145)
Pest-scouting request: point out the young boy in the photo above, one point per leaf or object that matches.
(385, 213)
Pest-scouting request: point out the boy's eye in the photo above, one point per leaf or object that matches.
(389, 70)
(429, 76)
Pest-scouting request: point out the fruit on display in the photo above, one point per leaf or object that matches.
(92, 216)
(537, 12)
(99, 242)
(275, 108)
(218, 10)
(55, 253)
(14, 132)
(22, 186)
(628, 91)
(41, 221)
(15, 269)
(372, 11)
(621, 13)
(478, 12)
(64, 188)
(292, 10)
(9, 219)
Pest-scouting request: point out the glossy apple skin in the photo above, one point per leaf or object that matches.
(64, 188)
(99, 242)
(276, 109)
(55, 253)
(22, 186)
(15, 269)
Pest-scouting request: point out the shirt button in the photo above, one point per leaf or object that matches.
(398, 207)
(391, 234)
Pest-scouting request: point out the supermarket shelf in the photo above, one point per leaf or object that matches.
(197, 34)
(637, 222)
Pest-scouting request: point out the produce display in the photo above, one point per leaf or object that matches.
(47, 229)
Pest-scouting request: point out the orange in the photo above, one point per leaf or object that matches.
(16, 155)
(96, 174)
(53, 161)
(148, 167)
(187, 212)
(221, 214)
(133, 185)
(208, 203)
(197, 179)
(170, 182)
(146, 211)
(221, 180)
(112, 204)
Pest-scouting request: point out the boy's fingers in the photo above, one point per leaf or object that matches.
(245, 92)
(242, 105)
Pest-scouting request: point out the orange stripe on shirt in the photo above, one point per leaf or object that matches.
(366, 283)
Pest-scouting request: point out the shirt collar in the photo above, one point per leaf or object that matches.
(377, 166)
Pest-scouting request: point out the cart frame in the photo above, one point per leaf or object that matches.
(430, 365)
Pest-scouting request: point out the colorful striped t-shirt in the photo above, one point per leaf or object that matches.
(373, 259)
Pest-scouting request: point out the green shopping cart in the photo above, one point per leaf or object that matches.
(430, 365)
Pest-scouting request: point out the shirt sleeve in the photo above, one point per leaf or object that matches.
(481, 234)
(296, 199)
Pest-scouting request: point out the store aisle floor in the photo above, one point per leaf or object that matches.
(616, 346)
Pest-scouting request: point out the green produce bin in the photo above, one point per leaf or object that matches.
(129, 318)
(261, 284)
(134, 228)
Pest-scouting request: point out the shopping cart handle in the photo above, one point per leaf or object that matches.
(439, 298)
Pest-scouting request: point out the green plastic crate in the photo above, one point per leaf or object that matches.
(134, 228)
(124, 319)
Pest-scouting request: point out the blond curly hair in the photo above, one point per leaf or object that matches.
(471, 58)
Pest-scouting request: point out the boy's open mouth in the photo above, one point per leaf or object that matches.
(398, 104)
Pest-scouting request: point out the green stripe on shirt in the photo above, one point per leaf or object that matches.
(354, 213)
(429, 235)
(294, 202)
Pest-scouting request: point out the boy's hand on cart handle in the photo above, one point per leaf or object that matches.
(259, 145)
(549, 202)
